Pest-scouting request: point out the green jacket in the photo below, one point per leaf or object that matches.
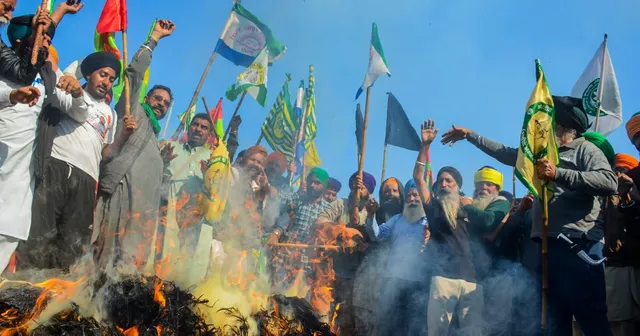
(488, 219)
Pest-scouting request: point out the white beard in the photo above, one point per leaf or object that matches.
(482, 201)
(3, 21)
(450, 204)
(413, 213)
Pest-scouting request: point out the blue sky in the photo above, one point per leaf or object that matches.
(468, 63)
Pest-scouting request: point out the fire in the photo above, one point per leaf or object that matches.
(133, 331)
(157, 294)
(334, 327)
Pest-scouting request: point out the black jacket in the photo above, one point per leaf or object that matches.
(15, 65)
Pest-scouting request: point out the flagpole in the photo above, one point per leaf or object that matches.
(206, 108)
(545, 257)
(166, 121)
(355, 210)
(37, 44)
(384, 162)
(601, 84)
(260, 137)
(127, 88)
(235, 113)
(299, 138)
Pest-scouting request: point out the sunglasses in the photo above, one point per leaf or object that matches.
(160, 99)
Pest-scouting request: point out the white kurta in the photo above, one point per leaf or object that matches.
(17, 135)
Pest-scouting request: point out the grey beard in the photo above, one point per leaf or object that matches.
(413, 213)
(482, 201)
(450, 205)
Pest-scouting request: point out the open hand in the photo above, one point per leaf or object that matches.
(428, 131)
(162, 29)
(167, 154)
(24, 95)
(454, 135)
(70, 85)
(130, 124)
(71, 6)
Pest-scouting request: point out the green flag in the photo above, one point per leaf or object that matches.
(279, 128)
(253, 80)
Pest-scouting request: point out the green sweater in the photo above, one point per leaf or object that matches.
(488, 219)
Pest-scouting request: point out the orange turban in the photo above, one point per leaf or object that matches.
(280, 159)
(255, 150)
(626, 161)
(54, 54)
(633, 126)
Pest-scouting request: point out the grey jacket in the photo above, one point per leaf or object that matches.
(582, 176)
(119, 163)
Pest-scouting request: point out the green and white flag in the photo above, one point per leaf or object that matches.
(588, 88)
(253, 79)
(377, 62)
(188, 114)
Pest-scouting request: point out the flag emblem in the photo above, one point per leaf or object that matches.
(590, 99)
(534, 137)
(254, 74)
(278, 126)
(249, 39)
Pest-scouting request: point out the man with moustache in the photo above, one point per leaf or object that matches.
(454, 292)
(402, 304)
(131, 175)
(582, 177)
(346, 264)
(184, 180)
(64, 196)
(392, 198)
(333, 188)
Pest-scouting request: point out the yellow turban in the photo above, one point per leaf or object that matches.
(488, 174)
(54, 54)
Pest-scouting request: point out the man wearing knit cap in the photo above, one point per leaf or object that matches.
(402, 303)
(345, 264)
(583, 175)
(62, 216)
(333, 188)
(622, 248)
(132, 172)
(454, 289)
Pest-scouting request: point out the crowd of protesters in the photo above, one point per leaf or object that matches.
(78, 177)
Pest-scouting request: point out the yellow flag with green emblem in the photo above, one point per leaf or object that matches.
(537, 138)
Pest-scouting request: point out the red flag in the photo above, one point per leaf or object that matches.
(217, 128)
(113, 18)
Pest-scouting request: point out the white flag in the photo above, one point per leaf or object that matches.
(377, 62)
(587, 88)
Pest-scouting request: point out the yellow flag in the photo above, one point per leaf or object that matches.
(312, 160)
(537, 139)
(217, 181)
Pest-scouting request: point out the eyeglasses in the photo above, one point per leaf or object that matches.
(160, 99)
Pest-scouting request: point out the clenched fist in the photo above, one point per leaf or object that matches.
(70, 85)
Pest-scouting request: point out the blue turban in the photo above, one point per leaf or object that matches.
(410, 184)
(20, 29)
(334, 185)
(367, 179)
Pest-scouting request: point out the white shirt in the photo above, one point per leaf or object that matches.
(82, 133)
(17, 134)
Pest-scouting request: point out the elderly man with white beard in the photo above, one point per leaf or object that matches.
(454, 292)
(403, 302)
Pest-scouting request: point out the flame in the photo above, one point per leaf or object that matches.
(158, 296)
(334, 327)
(159, 330)
(133, 331)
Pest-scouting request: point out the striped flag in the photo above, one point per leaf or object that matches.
(310, 129)
(217, 127)
(51, 5)
(185, 118)
(377, 62)
(279, 126)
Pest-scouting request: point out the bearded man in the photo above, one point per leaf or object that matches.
(402, 304)
(581, 178)
(392, 197)
(333, 188)
(454, 289)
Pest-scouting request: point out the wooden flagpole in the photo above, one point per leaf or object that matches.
(545, 257)
(601, 84)
(181, 127)
(127, 87)
(384, 162)
(37, 44)
(260, 137)
(355, 210)
(235, 113)
(206, 108)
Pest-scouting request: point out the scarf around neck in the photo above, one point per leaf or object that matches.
(152, 117)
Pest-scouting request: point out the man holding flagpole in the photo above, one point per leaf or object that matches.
(575, 287)
(131, 175)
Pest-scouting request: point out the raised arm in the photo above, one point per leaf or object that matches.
(377, 232)
(142, 60)
(64, 8)
(15, 65)
(505, 155)
(428, 133)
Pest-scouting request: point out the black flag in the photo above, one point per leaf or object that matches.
(399, 130)
(359, 128)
